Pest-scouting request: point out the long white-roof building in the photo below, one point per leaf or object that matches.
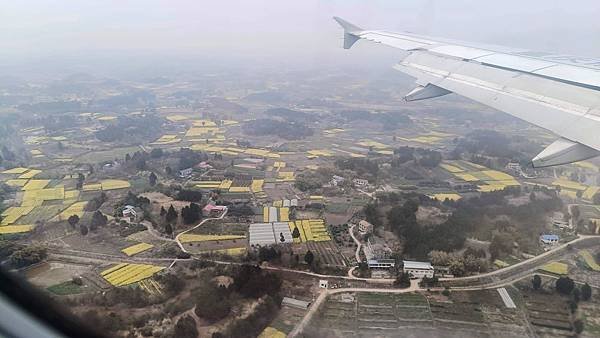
(263, 234)
(418, 269)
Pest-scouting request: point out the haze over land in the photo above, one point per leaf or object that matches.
(182, 169)
(128, 38)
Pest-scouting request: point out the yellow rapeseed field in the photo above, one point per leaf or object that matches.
(374, 144)
(36, 184)
(570, 185)
(239, 189)
(107, 118)
(167, 139)
(16, 182)
(466, 177)
(74, 209)
(589, 193)
(15, 229)
(30, 174)
(225, 184)
(257, 185)
(124, 273)
(137, 248)
(12, 214)
(496, 175)
(310, 230)
(320, 152)
(18, 170)
(284, 214)
(589, 260)
(92, 187)
(33, 197)
(447, 196)
(114, 184)
(556, 268)
(229, 252)
(451, 168)
(271, 332)
(176, 118)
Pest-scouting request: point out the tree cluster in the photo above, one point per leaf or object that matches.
(28, 255)
(189, 195)
(191, 214)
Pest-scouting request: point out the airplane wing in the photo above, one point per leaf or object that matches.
(556, 92)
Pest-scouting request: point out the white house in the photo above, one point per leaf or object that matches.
(129, 212)
(185, 173)
(360, 182)
(335, 180)
(418, 269)
(365, 227)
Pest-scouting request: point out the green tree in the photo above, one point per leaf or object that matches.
(296, 233)
(457, 267)
(98, 220)
(28, 255)
(596, 198)
(171, 214)
(168, 229)
(156, 153)
(536, 282)
(212, 303)
(578, 325)
(565, 285)
(402, 280)
(446, 292)
(309, 257)
(586, 292)
(191, 213)
(186, 328)
(152, 179)
(575, 212)
(73, 220)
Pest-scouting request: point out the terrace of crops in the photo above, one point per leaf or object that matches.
(485, 178)
(464, 314)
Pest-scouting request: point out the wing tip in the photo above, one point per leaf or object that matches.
(347, 26)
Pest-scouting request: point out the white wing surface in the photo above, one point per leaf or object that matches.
(559, 93)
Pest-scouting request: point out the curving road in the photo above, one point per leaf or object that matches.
(196, 226)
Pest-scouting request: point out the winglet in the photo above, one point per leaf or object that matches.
(350, 32)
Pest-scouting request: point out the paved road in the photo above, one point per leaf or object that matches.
(358, 243)
(535, 263)
(524, 263)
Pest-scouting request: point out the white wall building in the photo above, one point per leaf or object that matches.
(360, 182)
(418, 269)
(365, 227)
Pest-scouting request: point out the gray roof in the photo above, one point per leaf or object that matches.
(269, 233)
(417, 265)
(295, 302)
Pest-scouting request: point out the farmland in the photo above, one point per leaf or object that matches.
(112, 190)
(124, 274)
(476, 314)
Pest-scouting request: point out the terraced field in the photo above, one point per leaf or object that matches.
(125, 273)
(477, 314)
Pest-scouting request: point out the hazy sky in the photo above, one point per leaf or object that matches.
(265, 30)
